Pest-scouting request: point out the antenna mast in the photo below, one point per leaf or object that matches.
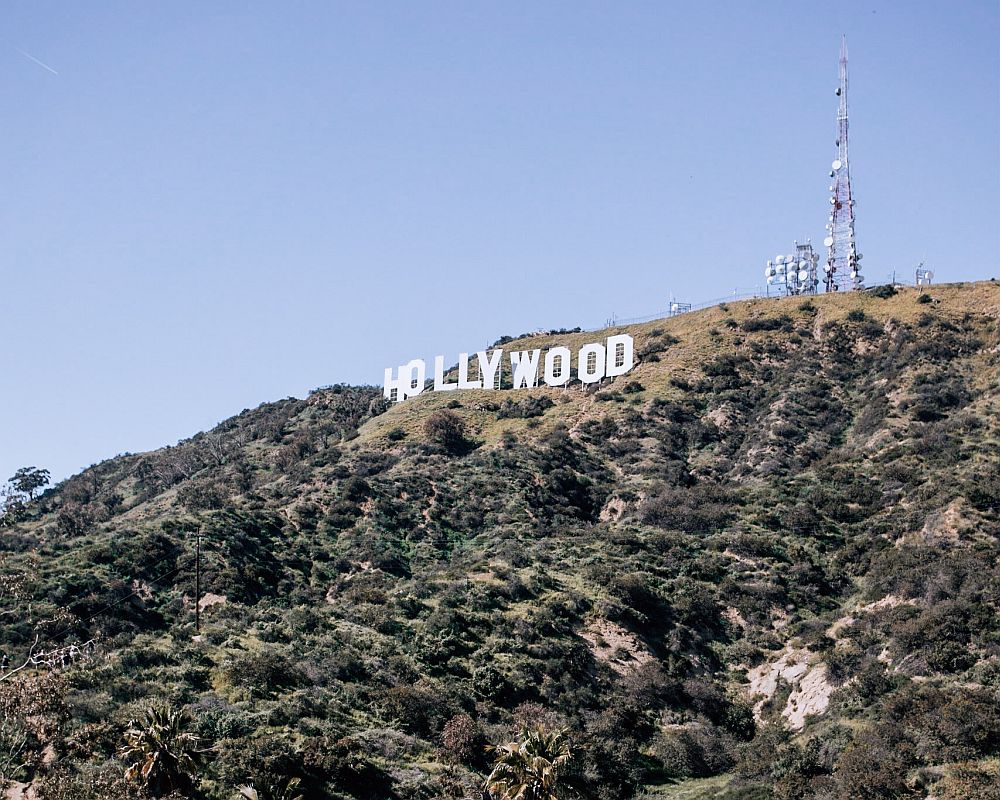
(842, 270)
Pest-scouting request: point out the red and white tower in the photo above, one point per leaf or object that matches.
(842, 268)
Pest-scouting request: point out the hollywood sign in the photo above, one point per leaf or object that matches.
(594, 362)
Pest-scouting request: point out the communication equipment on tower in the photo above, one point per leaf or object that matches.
(794, 273)
(797, 274)
(842, 270)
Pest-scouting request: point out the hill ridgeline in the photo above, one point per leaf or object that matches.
(761, 564)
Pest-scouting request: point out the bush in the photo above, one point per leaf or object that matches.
(872, 768)
(696, 750)
(531, 406)
(446, 429)
(702, 508)
(89, 782)
(843, 662)
(257, 759)
(202, 495)
(489, 683)
(637, 591)
(883, 292)
(416, 708)
(754, 325)
(985, 493)
(462, 741)
(263, 673)
(970, 781)
(396, 435)
(74, 519)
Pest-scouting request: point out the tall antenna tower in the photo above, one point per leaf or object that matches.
(842, 270)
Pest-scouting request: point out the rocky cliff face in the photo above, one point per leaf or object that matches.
(769, 553)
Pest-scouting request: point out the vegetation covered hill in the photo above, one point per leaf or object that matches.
(762, 564)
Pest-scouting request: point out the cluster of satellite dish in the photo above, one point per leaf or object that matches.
(795, 273)
(798, 274)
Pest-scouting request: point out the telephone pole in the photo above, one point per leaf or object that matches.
(197, 584)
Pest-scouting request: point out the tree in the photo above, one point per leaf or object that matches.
(529, 769)
(11, 506)
(57, 657)
(27, 479)
(161, 755)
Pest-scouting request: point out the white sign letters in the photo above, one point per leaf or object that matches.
(594, 362)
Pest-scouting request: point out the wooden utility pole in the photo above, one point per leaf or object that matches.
(197, 584)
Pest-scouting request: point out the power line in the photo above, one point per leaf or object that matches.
(54, 636)
(109, 606)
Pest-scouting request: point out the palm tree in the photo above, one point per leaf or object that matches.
(160, 754)
(273, 790)
(529, 769)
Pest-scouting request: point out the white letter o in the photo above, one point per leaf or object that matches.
(590, 373)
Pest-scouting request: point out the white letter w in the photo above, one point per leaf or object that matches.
(525, 366)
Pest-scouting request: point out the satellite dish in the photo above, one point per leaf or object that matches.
(827, 268)
(803, 264)
(836, 165)
(767, 272)
(928, 274)
(770, 280)
(803, 276)
(828, 241)
(778, 259)
(780, 268)
(833, 201)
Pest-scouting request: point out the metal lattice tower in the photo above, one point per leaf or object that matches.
(842, 269)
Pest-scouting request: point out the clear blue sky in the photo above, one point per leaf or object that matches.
(212, 205)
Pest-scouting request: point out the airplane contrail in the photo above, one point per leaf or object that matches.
(42, 64)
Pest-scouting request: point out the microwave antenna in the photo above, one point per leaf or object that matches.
(842, 270)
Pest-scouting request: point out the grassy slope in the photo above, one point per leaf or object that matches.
(767, 473)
